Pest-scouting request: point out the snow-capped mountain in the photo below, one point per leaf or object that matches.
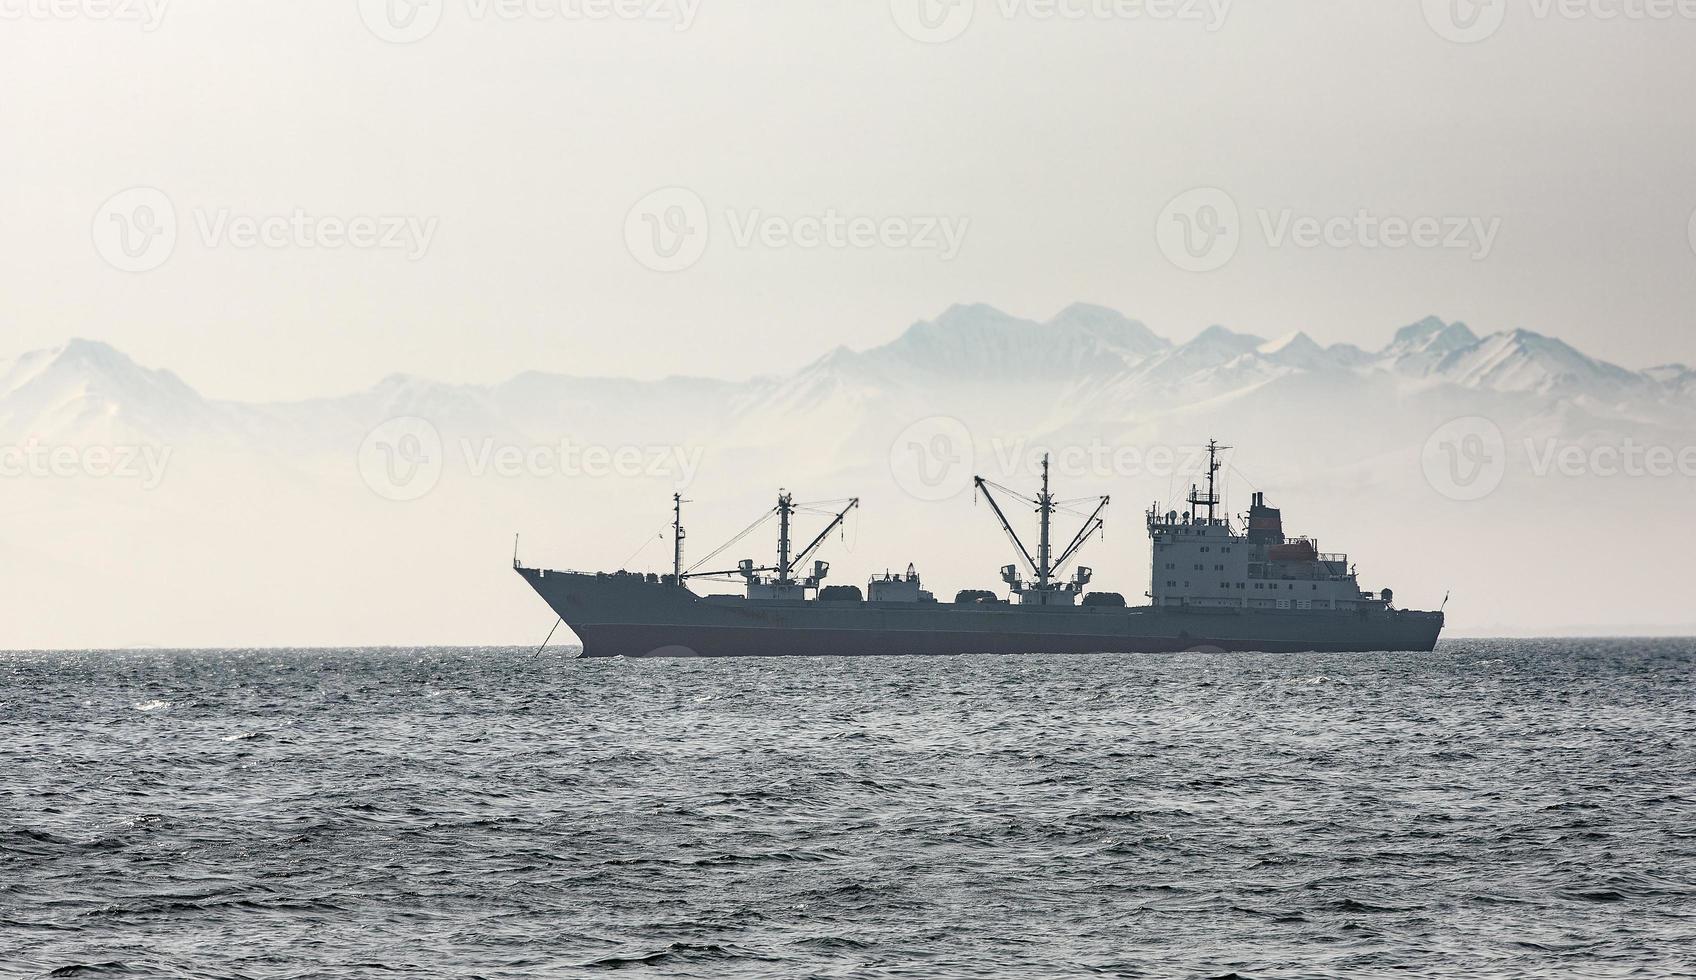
(1419, 347)
(86, 391)
(1676, 379)
(972, 359)
(1522, 361)
(980, 344)
(1298, 350)
(1086, 360)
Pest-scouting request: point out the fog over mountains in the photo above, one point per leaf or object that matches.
(326, 522)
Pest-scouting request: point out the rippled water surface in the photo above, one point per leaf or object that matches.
(1493, 809)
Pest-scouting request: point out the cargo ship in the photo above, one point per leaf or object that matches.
(1216, 584)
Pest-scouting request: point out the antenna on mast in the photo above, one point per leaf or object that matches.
(1211, 500)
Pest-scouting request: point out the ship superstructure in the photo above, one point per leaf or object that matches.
(1200, 560)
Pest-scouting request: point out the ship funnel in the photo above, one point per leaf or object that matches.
(1265, 523)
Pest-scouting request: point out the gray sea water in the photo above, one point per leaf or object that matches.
(1505, 809)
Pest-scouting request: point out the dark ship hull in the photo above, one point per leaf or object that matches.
(621, 615)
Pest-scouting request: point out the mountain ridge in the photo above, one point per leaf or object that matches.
(1085, 354)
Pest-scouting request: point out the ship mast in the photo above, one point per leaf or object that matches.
(785, 507)
(1044, 507)
(677, 535)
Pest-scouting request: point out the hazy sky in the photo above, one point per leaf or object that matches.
(489, 169)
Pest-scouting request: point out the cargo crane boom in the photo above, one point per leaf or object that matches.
(783, 571)
(835, 523)
(1006, 525)
(1044, 590)
(1094, 523)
